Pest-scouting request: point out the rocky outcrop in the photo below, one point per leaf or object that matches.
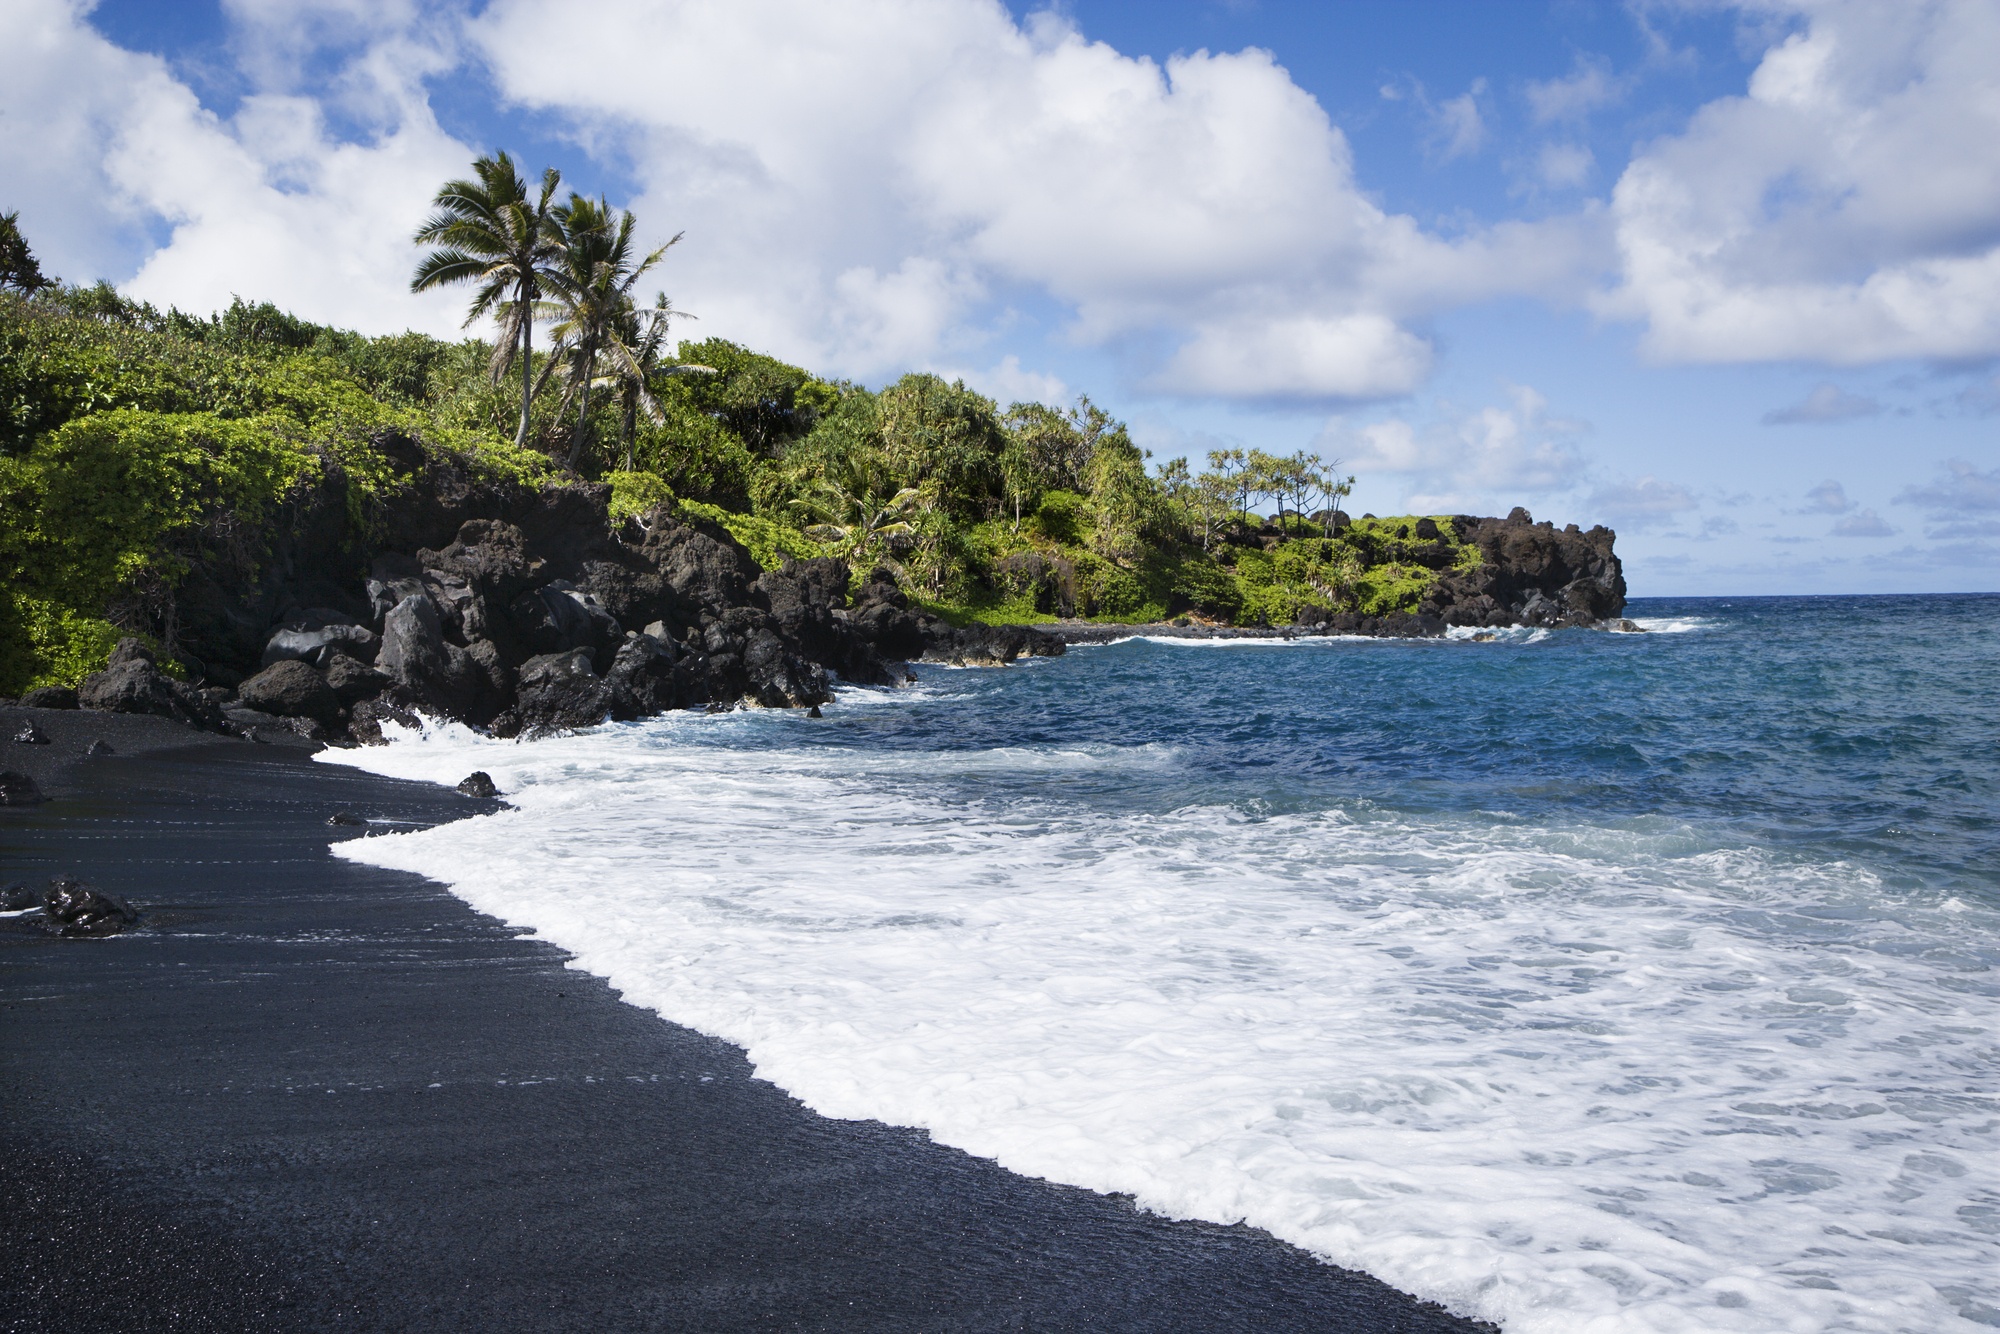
(72, 908)
(18, 789)
(291, 689)
(1530, 574)
(134, 683)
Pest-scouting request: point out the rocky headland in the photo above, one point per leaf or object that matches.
(529, 609)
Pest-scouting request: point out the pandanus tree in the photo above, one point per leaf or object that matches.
(489, 231)
(591, 302)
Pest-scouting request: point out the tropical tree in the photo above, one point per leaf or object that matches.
(488, 231)
(18, 268)
(591, 290)
(635, 353)
(858, 523)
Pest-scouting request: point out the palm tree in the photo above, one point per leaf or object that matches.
(856, 520)
(636, 350)
(592, 290)
(490, 233)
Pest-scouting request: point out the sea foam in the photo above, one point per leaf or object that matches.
(1609, 1075)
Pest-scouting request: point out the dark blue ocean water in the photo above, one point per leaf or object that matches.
(1575, 979)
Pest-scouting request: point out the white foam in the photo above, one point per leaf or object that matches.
(1603, 1077)
(1673, 625)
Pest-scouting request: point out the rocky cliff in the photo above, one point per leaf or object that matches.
(529, 609)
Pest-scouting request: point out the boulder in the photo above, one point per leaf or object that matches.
(478, 783)
(132, 684)
(558, 692)
(99, 747)
(353, 681)
(491, 556)
(643, 678)
(888, 627)
(31, 735)
(291, 689)
(17, 897)
(558, 616)
(415, 656)
(17, 789)
(318, 646)
(365, 721)
(73, 908)
(701, 568)
(50, 697)
(778, 678)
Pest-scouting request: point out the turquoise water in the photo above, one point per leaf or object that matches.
(1577, 980)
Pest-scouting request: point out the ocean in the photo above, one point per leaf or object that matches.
(1578, 981)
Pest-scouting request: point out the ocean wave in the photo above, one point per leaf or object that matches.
(1624, 1074)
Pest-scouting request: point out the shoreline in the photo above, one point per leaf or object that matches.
(307, 1092)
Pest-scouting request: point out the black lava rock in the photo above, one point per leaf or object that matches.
(17, 897)
(50, 697)
(478, 783)
(291, 689)
(99, 747)
(17, 789)
(75, 909)
(31, 735)
(345, 818)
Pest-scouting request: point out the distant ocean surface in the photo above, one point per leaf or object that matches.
(1578, 981)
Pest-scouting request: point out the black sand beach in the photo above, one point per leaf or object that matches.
(307, 1094)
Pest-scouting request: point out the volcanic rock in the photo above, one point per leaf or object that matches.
(17, 789)
(73, 908)
(133, 684)
(478, 783)
(291, 689)
(50, 697)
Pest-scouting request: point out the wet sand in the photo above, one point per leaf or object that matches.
(309, 1094)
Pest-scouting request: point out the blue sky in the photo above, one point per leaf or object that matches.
(1723, 276)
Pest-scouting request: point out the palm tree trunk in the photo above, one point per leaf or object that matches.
(629, 427)
(527, 363)
(582, 410)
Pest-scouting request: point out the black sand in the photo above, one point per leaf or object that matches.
(307, 1094)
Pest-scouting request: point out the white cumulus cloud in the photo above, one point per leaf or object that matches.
(1844, 210)
(1205, 207)
(1488, 457)
(267, 203)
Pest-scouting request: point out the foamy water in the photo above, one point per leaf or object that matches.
(1622, 1070)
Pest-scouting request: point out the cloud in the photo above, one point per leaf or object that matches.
(266, 203)
(1829, 497)
(1457, 129)
(1200, 214)
(1981, 397)
(1959, 489)
(1863, 523)
(1845, 210)
(1491, 456)
(1642, 502)
(1589, 87)
(1564, 166)
(1009, 382)
(866, 189)
(1826, 403)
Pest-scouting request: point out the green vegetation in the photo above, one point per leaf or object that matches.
(137, 445)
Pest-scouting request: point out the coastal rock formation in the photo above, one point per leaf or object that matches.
(18, 789)
(134, 683)
(1531, 574)
(72, 908)
(527, 609)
